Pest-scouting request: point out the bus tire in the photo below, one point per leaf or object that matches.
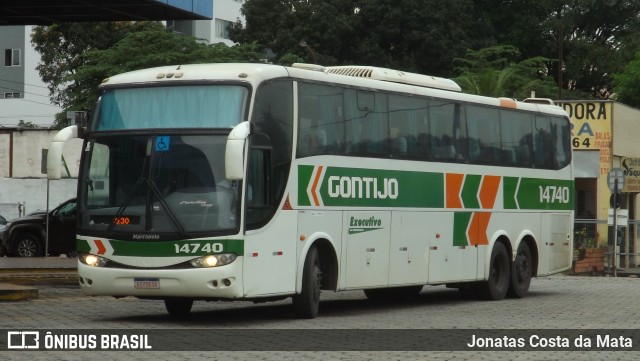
(521, 272)
(307, 303)
(178, 307)
(496, 287)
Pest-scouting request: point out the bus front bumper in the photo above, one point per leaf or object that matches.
(223, 282)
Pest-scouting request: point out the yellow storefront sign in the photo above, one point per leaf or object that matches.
(590, 124)
(631, 168)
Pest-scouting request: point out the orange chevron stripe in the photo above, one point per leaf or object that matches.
(314, 187)
(477, 232)
(489, 190)
(454, 183)
(101, 248)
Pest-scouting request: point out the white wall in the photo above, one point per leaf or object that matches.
(25, 147)
(32, 194)
(27, 185)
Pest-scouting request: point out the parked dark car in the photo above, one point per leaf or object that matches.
(25, 236)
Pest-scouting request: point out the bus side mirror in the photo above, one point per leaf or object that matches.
(54, 155)
(234, 152)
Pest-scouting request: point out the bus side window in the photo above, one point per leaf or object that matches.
(313, 143)
(442, 130)
(515, 126)
(483, 138)
(542, 144)
(562, 147)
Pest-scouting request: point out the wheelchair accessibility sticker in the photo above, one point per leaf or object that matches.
(163, 143)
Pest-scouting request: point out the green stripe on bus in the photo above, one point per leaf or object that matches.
(304, 178)
(470, 191)
(361, 187)
(538, 194)
(169, 248)
(460, 224)
(381, 188)
(509, 186)
(82, 246)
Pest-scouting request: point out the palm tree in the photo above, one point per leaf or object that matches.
(494, 72)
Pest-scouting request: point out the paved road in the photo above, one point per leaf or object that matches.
(592, 304)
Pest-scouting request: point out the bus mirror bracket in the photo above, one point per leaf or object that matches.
(54, 154)
(234, 152)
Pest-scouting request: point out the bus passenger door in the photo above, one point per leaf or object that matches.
(449, 260)
(366, 248)
(409, 248)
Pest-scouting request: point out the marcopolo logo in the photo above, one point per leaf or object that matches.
(361, 225)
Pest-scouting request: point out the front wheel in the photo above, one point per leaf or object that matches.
(495, 288)
(521, 272)
(178, 307)
(27, 246)
(307, 303)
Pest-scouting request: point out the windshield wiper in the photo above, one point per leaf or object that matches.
(165, 206)
(143, 179)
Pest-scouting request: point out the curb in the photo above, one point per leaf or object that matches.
(11, 292)
(40, 277)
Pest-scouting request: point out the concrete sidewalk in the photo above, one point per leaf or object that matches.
(18, 276)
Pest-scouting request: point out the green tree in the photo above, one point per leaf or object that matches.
(589, 40)
(154, 46)
(63, 47)
(627, 83)
(414, 35)
(498, 72)
(599, 37)
(23, 124)
(142, 46)
(585, 41)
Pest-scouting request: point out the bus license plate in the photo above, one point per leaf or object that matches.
(146, 283)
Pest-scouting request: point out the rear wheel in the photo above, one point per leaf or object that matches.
(178, 307)
(521, 272)
(307, 303)
(27, 245)
(495, 288)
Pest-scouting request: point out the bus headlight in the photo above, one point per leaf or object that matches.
(93, 260)
(213, 260)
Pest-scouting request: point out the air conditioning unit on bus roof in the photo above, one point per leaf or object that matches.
(395, 76)
(384, 74)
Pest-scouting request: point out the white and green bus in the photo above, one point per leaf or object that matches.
(261, 182)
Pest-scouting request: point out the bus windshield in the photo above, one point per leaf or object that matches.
(192, 106)
(169, 186)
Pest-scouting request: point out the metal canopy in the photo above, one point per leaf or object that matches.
(47, 12)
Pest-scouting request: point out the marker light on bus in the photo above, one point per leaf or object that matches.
(213, 260)
(93, 260)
